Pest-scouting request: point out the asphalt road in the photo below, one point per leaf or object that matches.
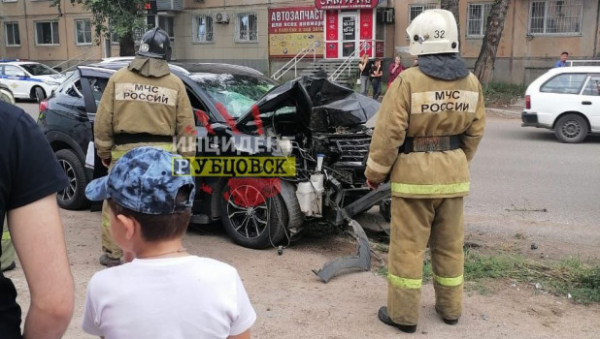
(522, 171)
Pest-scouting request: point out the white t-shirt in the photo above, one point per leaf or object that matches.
(183, 297)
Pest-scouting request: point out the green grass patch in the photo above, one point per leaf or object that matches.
(502, 94)
(572, 276)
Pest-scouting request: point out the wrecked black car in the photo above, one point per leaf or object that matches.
(240, 112)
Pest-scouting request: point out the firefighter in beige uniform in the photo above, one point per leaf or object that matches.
(142, 105)
(428, 128)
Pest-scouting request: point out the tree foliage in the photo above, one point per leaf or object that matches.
(122, 17)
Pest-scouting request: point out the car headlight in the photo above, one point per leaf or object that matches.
(51, 82)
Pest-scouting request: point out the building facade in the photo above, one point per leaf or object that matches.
(536, 32)
(266, 34)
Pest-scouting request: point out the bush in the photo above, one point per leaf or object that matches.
(502, 94)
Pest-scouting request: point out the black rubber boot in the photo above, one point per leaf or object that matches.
(10, 267)
(385, 318)
(108, 261)
(447, 321)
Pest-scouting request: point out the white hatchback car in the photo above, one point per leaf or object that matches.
(566, 100)
(30, 80)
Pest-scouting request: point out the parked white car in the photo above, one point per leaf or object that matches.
(30, 80)
(566, 100)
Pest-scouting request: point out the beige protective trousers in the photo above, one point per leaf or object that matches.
(415, 223)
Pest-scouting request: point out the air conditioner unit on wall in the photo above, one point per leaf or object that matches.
(222, 18)
(389, 16)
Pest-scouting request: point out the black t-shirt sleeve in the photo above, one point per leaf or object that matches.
(35, 172)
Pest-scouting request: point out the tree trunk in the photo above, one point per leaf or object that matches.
(452, 6)
(484, 67)
(127, 45)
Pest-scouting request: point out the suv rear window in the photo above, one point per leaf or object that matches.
(568, 83)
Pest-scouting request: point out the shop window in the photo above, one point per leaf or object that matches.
(46, 33)
(246, 28)
(416, 9)
(477, 19)
(379, 31)
(83, 32)
(13, 37)
(555, 17)
(204, 31)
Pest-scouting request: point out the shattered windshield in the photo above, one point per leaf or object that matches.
(237, 92)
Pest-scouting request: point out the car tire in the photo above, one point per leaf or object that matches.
(254, 218)
(571, 128)
(39, 94)
(73, 196)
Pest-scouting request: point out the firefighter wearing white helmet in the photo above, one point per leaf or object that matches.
(427, 131)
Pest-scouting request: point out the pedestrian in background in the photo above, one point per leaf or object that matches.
(365, 71)
(563, 60)
(395, 69)
(376, 76)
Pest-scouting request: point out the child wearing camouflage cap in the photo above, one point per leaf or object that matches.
(164, 292)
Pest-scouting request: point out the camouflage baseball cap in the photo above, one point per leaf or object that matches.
(142, 181)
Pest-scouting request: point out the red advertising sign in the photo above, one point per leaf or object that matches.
(331, 30)
(292, 29)
(366, 24)
(331, 51)
(346, 4)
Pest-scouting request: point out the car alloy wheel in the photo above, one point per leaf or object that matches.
(68, 192)
(248, 211)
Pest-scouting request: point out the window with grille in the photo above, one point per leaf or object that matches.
(246, 28)
(83, 32)
(13, 37)
(555, 17)
(477, 19)
(204, 32)
(415, 10)
(46, 33)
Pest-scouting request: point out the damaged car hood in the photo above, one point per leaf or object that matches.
(320, 104)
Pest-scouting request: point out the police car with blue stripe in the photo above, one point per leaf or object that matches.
(29, 80)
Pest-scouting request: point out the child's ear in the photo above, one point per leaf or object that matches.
(128, 224)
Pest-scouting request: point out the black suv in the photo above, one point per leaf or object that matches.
(232, 103)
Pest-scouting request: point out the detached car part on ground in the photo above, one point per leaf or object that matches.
(233, 104)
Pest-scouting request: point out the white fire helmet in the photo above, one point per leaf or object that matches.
(433, 32)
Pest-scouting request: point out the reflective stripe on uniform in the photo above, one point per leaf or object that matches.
(377, 167)
(404, 282)
(449, 282)
(115, 155)
(462, 187)
(5, 235)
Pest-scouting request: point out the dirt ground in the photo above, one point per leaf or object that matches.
(291, 302)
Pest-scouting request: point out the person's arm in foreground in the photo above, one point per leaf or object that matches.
(37, 234)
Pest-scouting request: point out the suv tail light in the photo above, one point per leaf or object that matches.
(527, 102)
(43, 105)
